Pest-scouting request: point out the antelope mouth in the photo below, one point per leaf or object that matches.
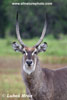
(29, 69)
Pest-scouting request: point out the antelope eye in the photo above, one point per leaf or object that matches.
(24, 52)
(35, 52)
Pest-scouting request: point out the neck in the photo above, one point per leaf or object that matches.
(35, 78)
(37, 83)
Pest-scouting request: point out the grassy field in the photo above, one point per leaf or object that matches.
(10, 64)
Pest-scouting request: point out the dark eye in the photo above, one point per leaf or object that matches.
(35, 52)
(23, 52)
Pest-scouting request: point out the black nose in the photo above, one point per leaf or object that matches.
(29, 62)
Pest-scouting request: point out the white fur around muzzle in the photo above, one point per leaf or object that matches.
(30, 69)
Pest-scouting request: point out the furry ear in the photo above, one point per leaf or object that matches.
(42, 47)
(16, 47)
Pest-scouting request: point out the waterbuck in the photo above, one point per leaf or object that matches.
(41, 83)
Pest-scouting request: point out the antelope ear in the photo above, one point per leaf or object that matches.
(16, 47)
(42, 47)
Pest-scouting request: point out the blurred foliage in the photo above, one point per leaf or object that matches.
(3, 19)
(32, 18)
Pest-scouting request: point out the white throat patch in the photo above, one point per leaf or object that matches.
(30, 69)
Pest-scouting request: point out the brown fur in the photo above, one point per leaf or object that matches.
(29, 49)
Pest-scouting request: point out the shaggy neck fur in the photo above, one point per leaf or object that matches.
(36, 83)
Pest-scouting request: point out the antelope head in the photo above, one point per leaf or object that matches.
(30, 53)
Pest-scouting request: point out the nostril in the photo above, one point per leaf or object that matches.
(29, 62)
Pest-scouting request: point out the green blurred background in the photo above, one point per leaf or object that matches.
(31, 22)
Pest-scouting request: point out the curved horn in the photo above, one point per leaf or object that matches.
(17, 31)
(42, 36)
